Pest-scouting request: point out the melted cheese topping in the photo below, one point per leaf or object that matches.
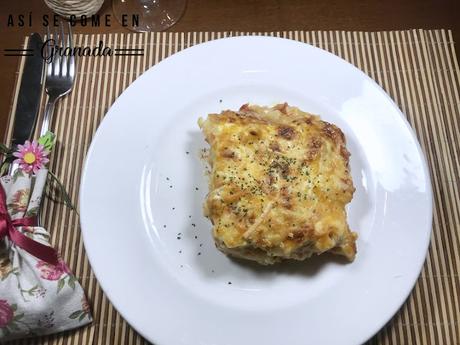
(279, 184)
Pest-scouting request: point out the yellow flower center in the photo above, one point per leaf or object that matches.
(29, 158)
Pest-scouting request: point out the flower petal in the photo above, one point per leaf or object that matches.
(26, 167)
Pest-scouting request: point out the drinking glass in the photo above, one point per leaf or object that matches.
(150, 15)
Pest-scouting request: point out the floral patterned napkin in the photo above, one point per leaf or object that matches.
(36, 297)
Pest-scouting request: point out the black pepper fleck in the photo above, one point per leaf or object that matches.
(173, 208)
(201, 244)
(196, 188)
(186, 152)
(167, 178)
(229, 283)
(170, 186)
(193, 224)
(180, 251)
(220, 101)
(164, 226)
(199, 253)
(196, 237)
(178, 237)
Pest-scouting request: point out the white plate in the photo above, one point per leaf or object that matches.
(144, 184)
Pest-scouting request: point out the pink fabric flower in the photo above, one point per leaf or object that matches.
(6, 313)
(19, 201)
(52, 272)
(85, 305)
(28, 229)
(31, 156)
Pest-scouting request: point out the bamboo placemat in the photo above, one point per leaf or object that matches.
(418, 68)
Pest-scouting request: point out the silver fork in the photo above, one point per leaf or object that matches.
(60, 77)
(60, 74)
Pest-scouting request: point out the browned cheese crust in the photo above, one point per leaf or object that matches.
(279, 184)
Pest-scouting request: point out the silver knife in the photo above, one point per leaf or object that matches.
(29, 96)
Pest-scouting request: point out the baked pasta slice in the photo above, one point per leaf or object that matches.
(279, 184)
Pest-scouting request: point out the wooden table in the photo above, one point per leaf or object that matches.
(248, 15)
